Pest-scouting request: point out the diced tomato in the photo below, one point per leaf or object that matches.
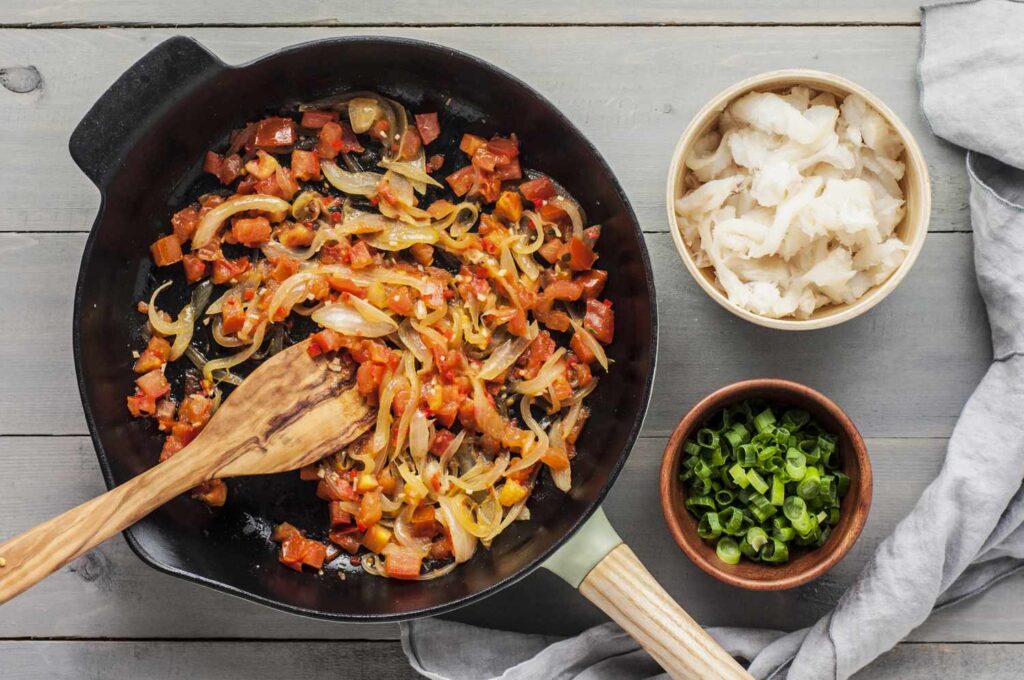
(510, 170)
(153, 384)
(295, 235)
(225, 270)
(562, 289)
(140, 404)
(283, 268)
(328, 340)
(314, 554)
(422, 253)
(214, 493)
(400, 402)
(156, 354)
(555, 320)
(305, 165)
(462, 180)
(196, 410)
(509, 206)
(376, 538)
(600, 320)
(400, 301)
(369, 510)
(336, 488)
(506, 148)
(581, 257)
(538, 190)
(347, 538)
(556, 459)
(518, 325)
(410, 144)
(171, 446)
(230, 169)
(579, 374)
(195, 268)
(340, 284)
(561, 387)
(428, 127)
(580, 348)
(338, 516)
(423, 521)
(550, 212)
(329, 145)
(349, 142)
(184, 223)
(484, 159)
(166, 250)
(388, 482)
(441, 549)
(435, 162)
(593, 283)
(368, 378)
(286, 184)
(309, 473)
(441, 441)
(467, 414)
(275, 132)
(551, 250)
(541, 347)
(251, 231)
(212, 163)
(470, 143)
(360, 255)
(283, 532)
(232, 315)
(317, 119)
(402, 562)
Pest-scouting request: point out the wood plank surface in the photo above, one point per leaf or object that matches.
(903, 369)
(128, 660)
(351, 12)
(111, 594)
(652, 80)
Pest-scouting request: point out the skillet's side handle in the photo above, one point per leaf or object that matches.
(607, 573)
(122, 113)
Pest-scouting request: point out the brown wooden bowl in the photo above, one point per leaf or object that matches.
(805, 564)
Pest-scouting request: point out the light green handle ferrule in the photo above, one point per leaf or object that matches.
(581, 553)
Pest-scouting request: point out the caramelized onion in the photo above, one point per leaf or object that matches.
(213, 220)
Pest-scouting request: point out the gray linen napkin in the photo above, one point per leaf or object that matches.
(967, 530)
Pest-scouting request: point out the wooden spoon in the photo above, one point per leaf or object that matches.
(291, 411)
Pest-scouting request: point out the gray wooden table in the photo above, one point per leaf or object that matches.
(630, 75)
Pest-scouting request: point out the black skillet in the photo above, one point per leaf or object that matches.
(142, 144)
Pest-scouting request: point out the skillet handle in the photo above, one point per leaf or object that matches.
(607, 573)
(148, 88)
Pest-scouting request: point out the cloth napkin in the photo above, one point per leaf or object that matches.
(967, 530)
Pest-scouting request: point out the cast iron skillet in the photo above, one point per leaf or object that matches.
(142, 144)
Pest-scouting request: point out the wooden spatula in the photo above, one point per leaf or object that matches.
(291, 411)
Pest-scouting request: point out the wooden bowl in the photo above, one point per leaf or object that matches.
(915, 184)
(805, 564)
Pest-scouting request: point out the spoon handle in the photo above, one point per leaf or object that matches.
(29, 558)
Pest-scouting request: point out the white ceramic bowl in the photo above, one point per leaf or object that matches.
(915, 184)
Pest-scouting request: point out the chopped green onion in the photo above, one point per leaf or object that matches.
(728, 551)
(746, 463)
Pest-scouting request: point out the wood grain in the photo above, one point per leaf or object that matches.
(350, 12)
(111, 594)
(622, 588)
(653, 80)
(929, 339)
(291, 411)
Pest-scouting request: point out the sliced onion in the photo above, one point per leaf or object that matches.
(540, 446)
(453, 448)
(213, 220)
(292, 291)
(221, 364)
(562, 478)
(419, 435)
(551, 369)
(503, 357)
(399, 236)
(382, 433)
(413, 482)
(404, 535)
(410, 171)
(484, 478)
(488, 420)
(362, 112)
(527, 264)
(414, 343)
(573, 210)
(591, 343)
(159, 325)
(358, 183)
(347, 318)
(537, 224)
(463, 542)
